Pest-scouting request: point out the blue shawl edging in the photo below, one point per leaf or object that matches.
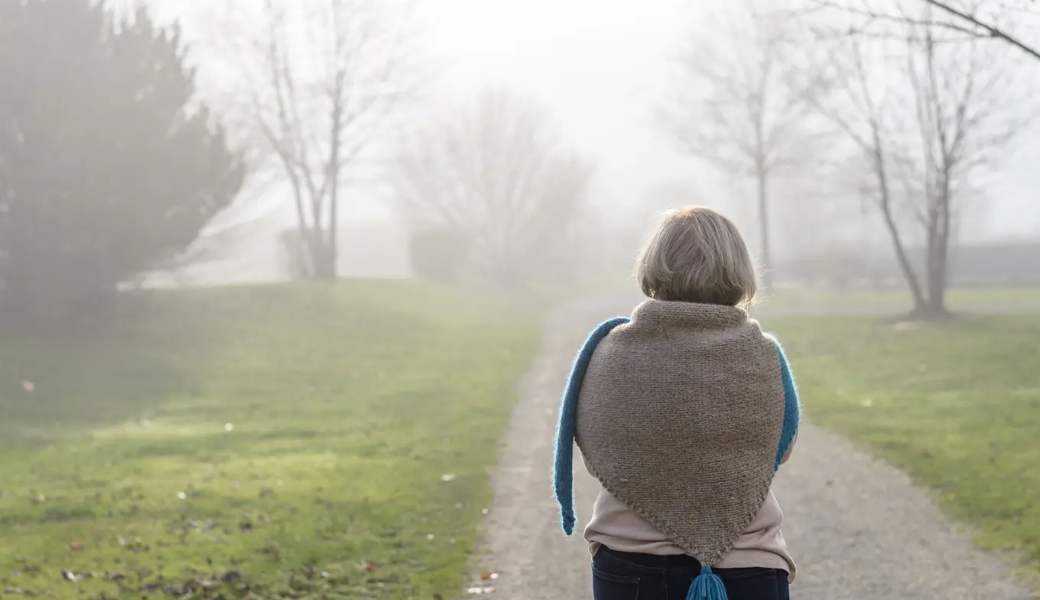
(563, 466)
(792, 407)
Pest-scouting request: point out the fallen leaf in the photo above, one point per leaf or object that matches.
(77, 546)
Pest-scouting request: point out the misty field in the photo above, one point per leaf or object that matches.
(326, 441)
(958, 406)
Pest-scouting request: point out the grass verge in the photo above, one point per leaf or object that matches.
(958, 406)
(299, 441)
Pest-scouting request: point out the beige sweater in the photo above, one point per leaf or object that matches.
(621, 529)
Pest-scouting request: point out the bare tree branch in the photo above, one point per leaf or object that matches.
(960, 21)
(990, 30)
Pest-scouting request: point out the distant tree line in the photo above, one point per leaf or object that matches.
(118, 146)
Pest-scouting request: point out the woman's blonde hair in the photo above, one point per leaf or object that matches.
(697, 255)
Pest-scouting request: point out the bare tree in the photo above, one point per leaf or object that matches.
(498, 176)
(960, 18)
(309, 89)
(964, 99)
(733, 107)
(925, 135)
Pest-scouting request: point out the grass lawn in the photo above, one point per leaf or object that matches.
(900, 300)
(958, 406)
(299, 441)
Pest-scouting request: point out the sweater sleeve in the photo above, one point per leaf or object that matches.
(792, 408)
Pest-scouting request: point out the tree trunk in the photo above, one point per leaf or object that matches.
(763, 227)
(938, 256)
(936, 284)
(309, 237)
(897, 242)
(322, 258)
(332, 246)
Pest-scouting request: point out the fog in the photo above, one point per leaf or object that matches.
(602, 70)
(289, 289)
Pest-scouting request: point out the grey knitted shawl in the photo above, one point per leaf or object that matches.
(680, 416)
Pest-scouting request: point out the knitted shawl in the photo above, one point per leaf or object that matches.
(683, 413)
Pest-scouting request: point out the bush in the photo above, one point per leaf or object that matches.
(439, 254)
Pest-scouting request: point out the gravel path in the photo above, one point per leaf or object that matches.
(857, 527)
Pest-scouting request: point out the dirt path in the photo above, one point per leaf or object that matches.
(857, 527)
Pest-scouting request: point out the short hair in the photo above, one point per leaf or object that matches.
(697, 255)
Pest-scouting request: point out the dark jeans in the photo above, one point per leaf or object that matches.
(622, 576)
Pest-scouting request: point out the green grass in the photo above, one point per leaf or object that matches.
(294, 437)
(958, 406)
(900, 300)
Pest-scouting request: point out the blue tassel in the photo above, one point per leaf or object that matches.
(707, 586)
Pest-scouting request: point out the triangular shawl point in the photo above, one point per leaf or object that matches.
(679, 417)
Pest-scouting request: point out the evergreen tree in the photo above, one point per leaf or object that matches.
(107, 164)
